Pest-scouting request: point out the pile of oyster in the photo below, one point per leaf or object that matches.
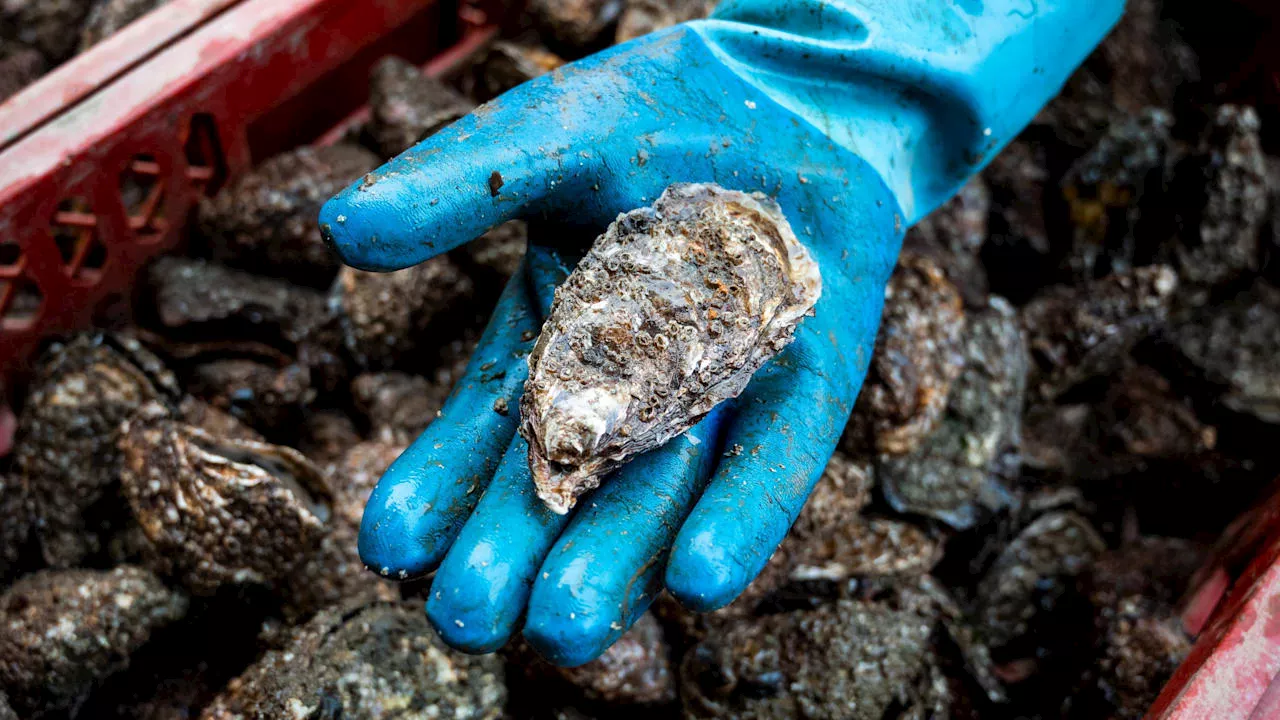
(1074, 392)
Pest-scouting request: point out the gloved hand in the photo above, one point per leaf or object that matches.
(858, 116)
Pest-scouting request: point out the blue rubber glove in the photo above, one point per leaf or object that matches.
(858, 116)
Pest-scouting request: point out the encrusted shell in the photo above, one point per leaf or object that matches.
(66, 453)
(377, 660)
(221, 511)
(62, 632)
(669, 314)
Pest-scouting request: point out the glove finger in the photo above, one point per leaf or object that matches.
(479, 592)
(450, 188)
(606, 568)
(548, 268)
(789, 420)
(536, 148)
(424, 497)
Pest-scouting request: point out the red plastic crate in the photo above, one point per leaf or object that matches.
(102, 161)
(1233, 672)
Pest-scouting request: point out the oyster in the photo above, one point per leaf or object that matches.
(387, 315)
(220, 511)
(377, 660)
(635, 670)
(574, 24)
(408, 106)
(919, 355)
(66, 454)
(507, 65)
(641, 17)
(850, 659)
(670, 313)
(65, 631)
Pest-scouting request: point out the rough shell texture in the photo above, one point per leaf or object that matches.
(848, 660)
(377, 661)
(642, 17)
(1234, 346)
(66, 630)
(213, 300)
(66, 451)
(953, 474)
(266, 221)
(407, 106)
(399, 405)
(1056, 545)
(829, 543)
(220, 510)
(1143, 416)
(669, 314)
(1076, 333)
(385, 315)
(917, 357)
(494, 257)
(635, 670)
(214, 421)
(574, 24)
(19, 67)
(1140, 426)
(832, 541)
(1140, 650)
(1157, 568)
(109, 16)
(1228, 180)
(331, 573)
(1103, 187)
(47, 25)
(952, 237)
(266, 397)
(509, 64)
(1139, 635)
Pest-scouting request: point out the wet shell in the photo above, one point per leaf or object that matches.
(378, 660)
(221, 511)
(66, 453)
(62, 632)
(669, 314)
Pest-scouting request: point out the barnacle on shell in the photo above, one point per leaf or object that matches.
(669, 314)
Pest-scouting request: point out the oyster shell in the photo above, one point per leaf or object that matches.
(376, 660)
(669, 314)
(65, 631)
(66, 454)
(221, 511)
